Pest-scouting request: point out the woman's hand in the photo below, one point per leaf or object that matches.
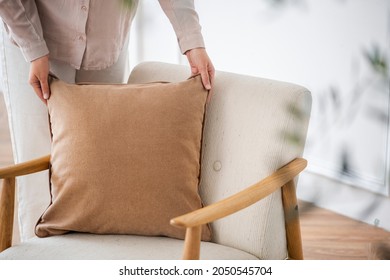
(201, 64)
(39, 77)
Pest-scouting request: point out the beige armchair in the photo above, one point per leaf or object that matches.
(254, 136)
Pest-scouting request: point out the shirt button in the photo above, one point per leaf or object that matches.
(84, 8)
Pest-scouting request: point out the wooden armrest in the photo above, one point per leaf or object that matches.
(243, 198)
(25, 168)
(282, 177)
(7, 194)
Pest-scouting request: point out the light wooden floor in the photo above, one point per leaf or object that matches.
(325, 235)
(329, 236)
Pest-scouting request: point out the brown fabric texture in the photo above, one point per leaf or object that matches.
(125, 158)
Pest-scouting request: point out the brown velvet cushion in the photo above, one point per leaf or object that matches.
(125, 158)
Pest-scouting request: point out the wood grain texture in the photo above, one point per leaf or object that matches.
(7, 200)
(291, 215)
(329, 236)
(6, 157)
(192, 243)
(25, 168)
(283, 176)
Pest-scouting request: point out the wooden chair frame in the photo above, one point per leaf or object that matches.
(282, 178)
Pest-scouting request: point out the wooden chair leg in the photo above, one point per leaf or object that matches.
(293, 228)
(7, 204)
(192, 243)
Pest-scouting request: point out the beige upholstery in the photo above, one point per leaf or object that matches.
(116, 247)
(245, 140)
(250, 126)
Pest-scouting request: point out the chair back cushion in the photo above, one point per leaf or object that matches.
(253, 127)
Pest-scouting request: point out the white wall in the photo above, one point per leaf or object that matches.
(321, 45)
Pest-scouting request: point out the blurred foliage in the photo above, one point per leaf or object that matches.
(127, 3)
(378, 60)
(294, 136)
(296, 112)
(340, 112)
(280, 3)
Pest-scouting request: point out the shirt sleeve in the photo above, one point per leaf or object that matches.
(22, 22)
(185, 22)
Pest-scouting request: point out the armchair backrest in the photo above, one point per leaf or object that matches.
(253, 127)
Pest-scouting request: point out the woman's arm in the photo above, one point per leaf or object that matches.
(24, 27)
(185, 22)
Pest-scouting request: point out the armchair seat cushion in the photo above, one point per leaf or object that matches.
(81, 246)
